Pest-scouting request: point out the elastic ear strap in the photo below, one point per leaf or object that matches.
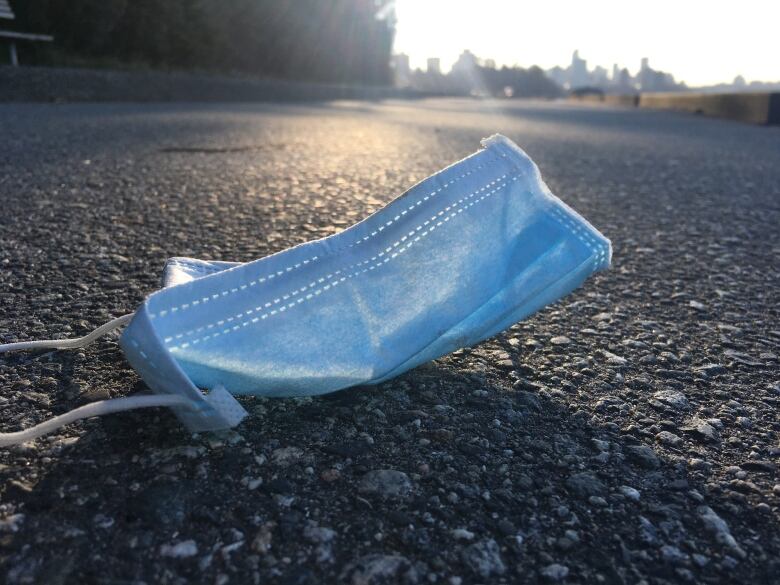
(93, 409)
(68, 343)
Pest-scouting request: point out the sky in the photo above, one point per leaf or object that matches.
(699, 42)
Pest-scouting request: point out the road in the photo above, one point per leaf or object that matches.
(641, 446)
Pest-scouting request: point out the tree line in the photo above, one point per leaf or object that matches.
(342, 41)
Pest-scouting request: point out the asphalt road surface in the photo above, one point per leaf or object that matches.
(627, 434)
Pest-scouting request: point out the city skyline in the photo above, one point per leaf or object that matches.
(700, 46)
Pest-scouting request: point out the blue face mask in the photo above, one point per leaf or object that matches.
(457, 259)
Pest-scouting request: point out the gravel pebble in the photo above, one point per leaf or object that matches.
(555, 572)
(180, 550)
(484, 558)
(388, 483)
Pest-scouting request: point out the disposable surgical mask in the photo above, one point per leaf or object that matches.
(455, 260)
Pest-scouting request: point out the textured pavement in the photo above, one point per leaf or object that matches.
(627, 434)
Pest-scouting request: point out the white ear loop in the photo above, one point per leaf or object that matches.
(93, 409)
(88, 410)
(69, 343)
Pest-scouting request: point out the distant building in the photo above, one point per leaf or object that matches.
(466, 63)
(559, 75)
(578, 71)
(648, 79)
(401, 70)
(477, 77)
(624, 82)
(599, 76)
(577, 75)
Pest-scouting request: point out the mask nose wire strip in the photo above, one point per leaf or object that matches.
(99, 408)
(69, 343)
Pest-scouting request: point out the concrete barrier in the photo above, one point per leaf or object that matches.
(587, 98)
(50, 84)
(755, 108)
(625, 100)
(622, 100)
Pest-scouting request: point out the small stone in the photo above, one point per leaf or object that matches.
(672, 399)
(696, 496)
(330, 475)
(630, 493)
(264, 538)
(673, 555)
(180, 550)
(11, 523)
(529, 400)
(462, 534)
(286, 456)
(702, 430)
(376, 569)
(484, 558)
(614, 360)
(697, 463)
(564, 543)
(103, 521)
(710, 370)
(647, 532)
(585, 484)
(560, 340)
(387, 483)
(720, 529)
(555, 572)
(759, 466)
(668, 438)
(318, 534)
(643, 455)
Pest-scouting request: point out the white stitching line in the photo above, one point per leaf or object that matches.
(431, 224)
(334, 274)
(143, 354)
(599, 250)
(184, 306)
(578, 230)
